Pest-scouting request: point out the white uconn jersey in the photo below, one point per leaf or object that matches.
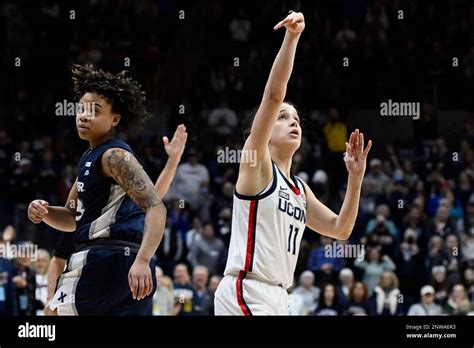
(267, 231)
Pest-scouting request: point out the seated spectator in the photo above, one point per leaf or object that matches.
(436, 255)
(328, 303)
(440, 284)
(204, 304)
(453, 259)
(24, 280)
(380, 235)
(163, 300)
(469, 283)
(427, 306)
(308, 292)
(458, 302)
(41, 268)
(183, 292)
(385, 299)
(8, 299)
(358, 300)
(374, 266)
(170, 250)
(324, 265)
(207, 250)
(214, 283)
(346, 277)
(442, 225)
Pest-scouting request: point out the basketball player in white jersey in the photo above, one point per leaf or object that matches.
(271, 206)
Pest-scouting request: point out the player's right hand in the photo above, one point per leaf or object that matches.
(37, 210)
(294, 23)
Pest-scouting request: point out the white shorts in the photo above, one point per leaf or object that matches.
(242, 296)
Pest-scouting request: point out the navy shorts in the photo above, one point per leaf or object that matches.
(95, 282)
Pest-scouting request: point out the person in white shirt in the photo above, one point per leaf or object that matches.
(427, 306)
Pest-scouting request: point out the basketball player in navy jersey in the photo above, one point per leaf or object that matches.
(65, 246)
(113, 208)
(272, 207)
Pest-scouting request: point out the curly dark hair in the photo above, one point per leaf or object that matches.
(123, 93)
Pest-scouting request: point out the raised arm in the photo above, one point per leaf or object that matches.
(252, 178)
(60, 218)
(124, 168)
(320, 218)
(174, 150)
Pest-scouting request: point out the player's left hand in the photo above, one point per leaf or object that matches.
(355, 156)
(174, 148)
(139, 279)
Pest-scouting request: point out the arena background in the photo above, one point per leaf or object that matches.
(205, 64)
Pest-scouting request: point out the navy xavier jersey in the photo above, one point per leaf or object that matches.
(103, 208)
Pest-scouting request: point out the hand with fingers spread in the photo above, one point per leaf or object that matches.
(174, 148)
(294, 23)
(356, 156)
(140, 280)
(37, 210)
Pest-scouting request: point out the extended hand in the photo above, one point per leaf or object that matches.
(294, 23)
(175, 147)
(356, 156)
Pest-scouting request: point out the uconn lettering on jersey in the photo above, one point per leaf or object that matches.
(287, 207)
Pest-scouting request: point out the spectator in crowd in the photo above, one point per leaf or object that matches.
(440, 284)
(222, 121)
(410, 263)
(458, 302)
(442, 225)
(240, 27)
(170, 250)
(335, 132)
(24, 280)
(346, 278)
(41, 268)
(358, 300)
(194, 234)
(469, 283)
(308, 292)
(207, 250)
(324, 265)
(8, 298)
(382, 214)
(204, 304)
(427, 306)
(376, 175)
(163, 299)
(191, 181)
(436, 253)
(453, 265)
(183, 292)
(386, 300)
(214, 283)
(374, 266)
(328, 303)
